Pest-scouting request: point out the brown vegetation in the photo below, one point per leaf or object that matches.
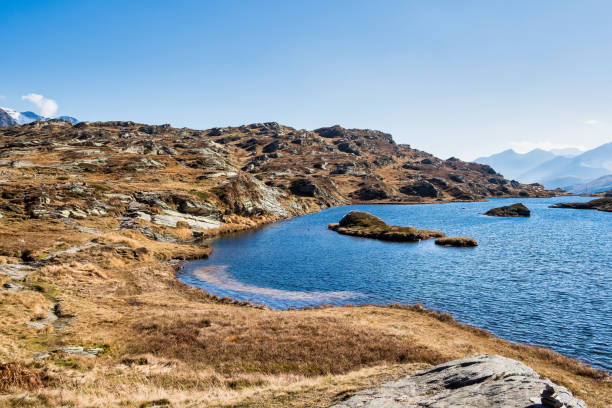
(18, 376)
(457, 241)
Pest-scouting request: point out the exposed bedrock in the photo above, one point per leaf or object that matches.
(477, 381)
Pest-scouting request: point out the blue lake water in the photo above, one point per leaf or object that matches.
(544, 280)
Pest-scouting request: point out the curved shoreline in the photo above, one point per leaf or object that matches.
(418, 307)
(217, 276)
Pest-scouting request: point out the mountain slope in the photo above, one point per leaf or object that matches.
(21, 118)
(262, 169)
(512, 164)
(603, 183)
(70, 119)
(6, 119)
(559, 171)
(10, 117)
(567, 152)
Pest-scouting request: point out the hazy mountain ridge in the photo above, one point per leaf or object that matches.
(558, 171)
(601, 184)
(512, 164)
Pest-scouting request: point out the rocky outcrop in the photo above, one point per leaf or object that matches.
(478, 381)
(374, 191)
(600, 204)
(421, 189)
(514, 210)
(324, 191)
(365, 225)
(459, 242)
(248, 196)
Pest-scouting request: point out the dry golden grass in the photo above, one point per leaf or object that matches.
(166, 340)
(272, 344)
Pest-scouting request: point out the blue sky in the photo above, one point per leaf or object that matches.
(462, 78)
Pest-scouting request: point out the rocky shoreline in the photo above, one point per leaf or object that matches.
(600, 204)
(92, 216)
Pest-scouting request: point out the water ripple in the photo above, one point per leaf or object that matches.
(543, 280)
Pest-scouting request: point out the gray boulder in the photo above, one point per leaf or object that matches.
(476, 381)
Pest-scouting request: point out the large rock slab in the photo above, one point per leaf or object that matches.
(476, 381)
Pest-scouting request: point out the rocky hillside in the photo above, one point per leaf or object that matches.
(95, 218)
(156, 177)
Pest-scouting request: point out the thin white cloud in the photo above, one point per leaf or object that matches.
(47, 107)
(1, 97)
(593, 122)
(527, 146)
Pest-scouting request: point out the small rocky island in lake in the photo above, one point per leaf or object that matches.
(365, 225)
(601, 204)
(514, 210)
(459, 242)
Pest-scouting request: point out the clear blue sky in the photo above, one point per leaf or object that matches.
(461, 78)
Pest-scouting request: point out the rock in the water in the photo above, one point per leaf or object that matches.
(365, 225)
(361, 219)
(601, 204)
(460, 242)
(477, 381)
(514, 210)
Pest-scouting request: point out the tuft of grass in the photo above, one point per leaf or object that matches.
(19, 376)
(156, 403)
(68, 363)
(202, 195)
(48, 290)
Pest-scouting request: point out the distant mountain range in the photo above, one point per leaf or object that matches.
(563, 168)
(598, 185)
(10, 117)
(512, 164)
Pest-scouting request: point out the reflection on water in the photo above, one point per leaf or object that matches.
(218, 276)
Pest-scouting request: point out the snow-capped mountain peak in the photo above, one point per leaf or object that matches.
(10, 117)
(21, 118)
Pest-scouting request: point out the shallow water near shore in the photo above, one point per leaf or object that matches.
(544, 280)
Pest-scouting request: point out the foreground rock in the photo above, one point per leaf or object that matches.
(476, 381)
(514, 210)
(460, 242)
(365, 225)
(600, 204)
